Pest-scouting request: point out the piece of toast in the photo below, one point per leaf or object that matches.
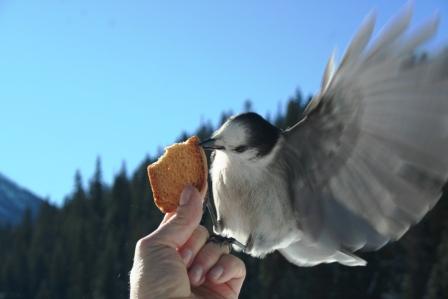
(182, 164)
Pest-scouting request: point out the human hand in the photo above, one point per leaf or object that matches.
(175, 261)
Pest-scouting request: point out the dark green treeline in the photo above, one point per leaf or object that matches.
(84, 249)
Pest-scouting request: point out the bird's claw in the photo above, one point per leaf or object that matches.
(224, 241)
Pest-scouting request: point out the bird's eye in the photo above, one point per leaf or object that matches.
(240, 149)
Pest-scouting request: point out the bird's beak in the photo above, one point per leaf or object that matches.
(210, 144)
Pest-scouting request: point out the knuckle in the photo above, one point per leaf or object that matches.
(141, 245)
(144, 243)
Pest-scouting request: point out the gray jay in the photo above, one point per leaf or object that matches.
(368, 159)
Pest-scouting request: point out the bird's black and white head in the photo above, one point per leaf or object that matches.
(245, 137)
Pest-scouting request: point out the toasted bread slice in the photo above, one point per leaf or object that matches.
(182, 164)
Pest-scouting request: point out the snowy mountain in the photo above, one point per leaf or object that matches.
(14, 200)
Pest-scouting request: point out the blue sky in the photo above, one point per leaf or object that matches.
(120, 79)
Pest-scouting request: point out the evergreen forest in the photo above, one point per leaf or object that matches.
(84, 248)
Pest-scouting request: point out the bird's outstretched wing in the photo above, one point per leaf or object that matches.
(370, 157)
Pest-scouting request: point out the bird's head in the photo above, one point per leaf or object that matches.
(246, 136)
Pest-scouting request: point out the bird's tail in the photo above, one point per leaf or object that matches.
(305, 255)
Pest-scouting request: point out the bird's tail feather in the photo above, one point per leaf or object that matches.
(304, 255)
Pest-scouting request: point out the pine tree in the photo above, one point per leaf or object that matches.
(117, 228)
(438, 281)
(97, 190)
(294, 111)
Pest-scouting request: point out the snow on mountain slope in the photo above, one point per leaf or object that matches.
(14, 200)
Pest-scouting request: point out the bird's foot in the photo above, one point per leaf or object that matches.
(224, 241)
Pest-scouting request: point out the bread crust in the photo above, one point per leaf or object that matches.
(182, 164)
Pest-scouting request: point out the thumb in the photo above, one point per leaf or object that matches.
(178, 229)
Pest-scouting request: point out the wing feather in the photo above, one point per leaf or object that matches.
(370, 157)
(390, 33)
(360, 40)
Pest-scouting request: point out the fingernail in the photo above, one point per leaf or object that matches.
(196, 273)
(186, 255)
(186, 195)
(216, 272)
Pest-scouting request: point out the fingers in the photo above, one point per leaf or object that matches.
(207, 257)
(191, 248)
(177, 228)
(211, 262)
(229, 269)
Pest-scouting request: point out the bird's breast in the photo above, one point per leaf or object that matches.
(232, 190)
(250, 201)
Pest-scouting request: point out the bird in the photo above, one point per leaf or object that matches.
(367, 160)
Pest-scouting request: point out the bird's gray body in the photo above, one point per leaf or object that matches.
(262, 219)
(251, 217)
(367, 161)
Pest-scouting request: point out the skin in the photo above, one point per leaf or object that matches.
(176, 261)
